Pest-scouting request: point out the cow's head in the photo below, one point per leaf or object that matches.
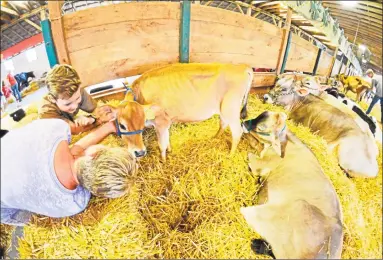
(290, 86)
(313, 85)
(130, 124)
(268, 128)
(284, 91)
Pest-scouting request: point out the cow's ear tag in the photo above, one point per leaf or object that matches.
(149, 113)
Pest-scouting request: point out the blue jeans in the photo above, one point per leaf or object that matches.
(16, 92)
(373, 103)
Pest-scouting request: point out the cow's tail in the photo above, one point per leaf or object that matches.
(249, 71)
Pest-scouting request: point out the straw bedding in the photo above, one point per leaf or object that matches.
(189, 206)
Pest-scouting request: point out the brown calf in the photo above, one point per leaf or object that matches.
(187, 93)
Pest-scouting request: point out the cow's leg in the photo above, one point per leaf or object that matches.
(163, 140)
(162, 124)
(222, 127)
(230, 110)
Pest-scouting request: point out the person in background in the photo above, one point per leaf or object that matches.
(66, 98)
(55, 179)
(3, 101)
(6, 90)
(376, 84)
(14, 86)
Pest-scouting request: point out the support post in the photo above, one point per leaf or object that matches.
(317, 61)
(332, 62)
(285, 45)
(185, 31)
(48, 41)
(286, 53)
(248, 11)
(341, 63)
(57, 29)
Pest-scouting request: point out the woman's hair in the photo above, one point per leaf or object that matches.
(110, 173)
(62, 81)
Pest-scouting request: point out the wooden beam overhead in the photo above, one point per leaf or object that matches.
(364, 37)
(356, 17)
(351, 26)
(33, 24)
(9, 39)
(14, 7)
(239, 8)
(371, 36)
(362, 23)
(24, 16)
(268, 4)
(354, 10)
(25, 30)
(9, 11)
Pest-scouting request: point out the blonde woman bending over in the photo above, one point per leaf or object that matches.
(41, 173)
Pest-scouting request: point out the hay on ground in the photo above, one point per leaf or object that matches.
(189, 206)
(33, 87)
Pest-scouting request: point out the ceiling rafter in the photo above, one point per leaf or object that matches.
(33, 24)
(9, 11)
(356, 17)
(354, 10)
(22, 17)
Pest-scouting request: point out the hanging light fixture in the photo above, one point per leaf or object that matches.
(349, 3)
(362, 47)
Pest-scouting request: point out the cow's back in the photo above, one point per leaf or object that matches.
(324, 119)
(190, 92)
(306, 182)
(306, 195)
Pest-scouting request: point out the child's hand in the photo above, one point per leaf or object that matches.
(84, 121)
(104, 113)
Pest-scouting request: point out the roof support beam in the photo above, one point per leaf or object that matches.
(9, 11)
(354, 10)
(356, 17)
(22, 17)
(26, 31)
(9, 39)
(33, 24)
(14, 31)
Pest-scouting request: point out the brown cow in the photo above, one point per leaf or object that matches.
(183, 93)
(354, 83)
(299, 213)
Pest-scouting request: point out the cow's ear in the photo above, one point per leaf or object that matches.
(323, 87)
(129, 96)
(276, 144)
(150, 111)
(302, 92)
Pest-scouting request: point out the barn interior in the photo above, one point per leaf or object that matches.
(189, 206)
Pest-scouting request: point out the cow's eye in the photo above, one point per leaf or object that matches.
(262, 127)
(122, 127)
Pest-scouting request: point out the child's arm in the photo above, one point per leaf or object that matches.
(93, 138)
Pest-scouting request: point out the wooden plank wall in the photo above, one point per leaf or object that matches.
(218, 35)
(302, 55)
(324, 64)
(121, 40)
(127, 39)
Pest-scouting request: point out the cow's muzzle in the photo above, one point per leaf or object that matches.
(139, 154)
(267, 99)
